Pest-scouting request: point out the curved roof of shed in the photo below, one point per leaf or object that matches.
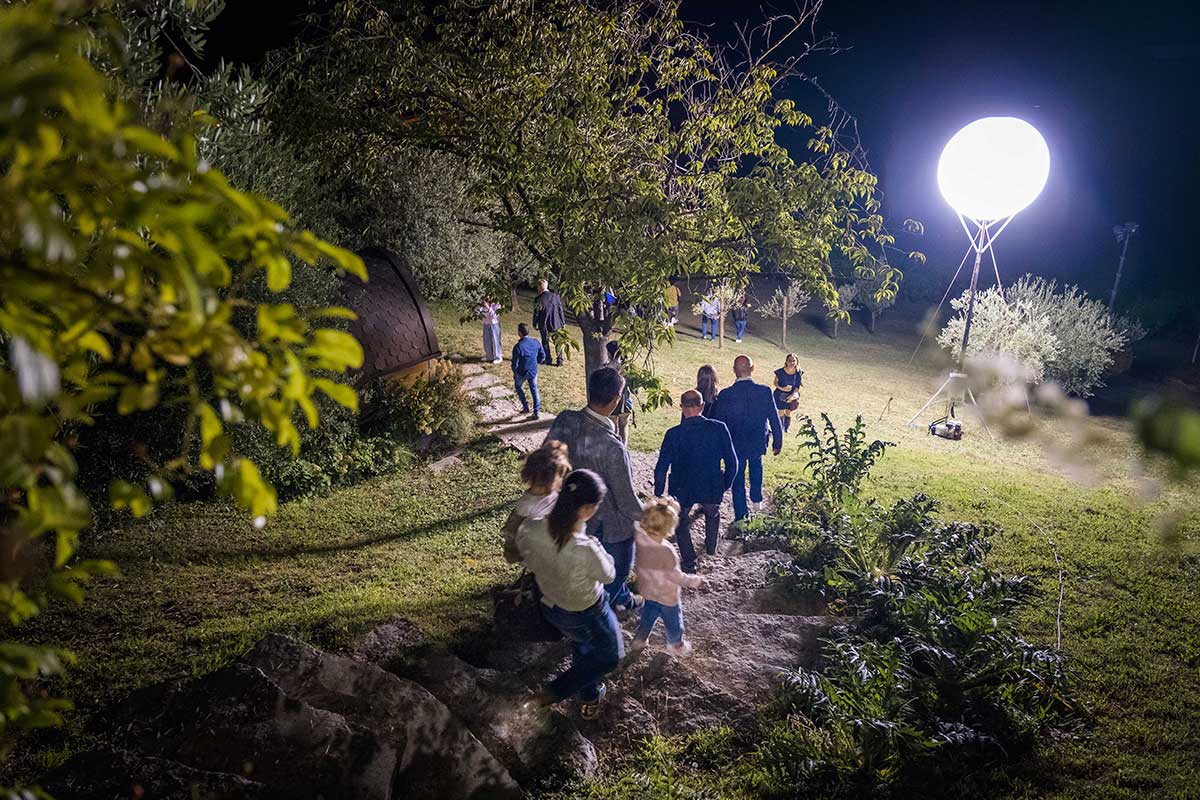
(394, 326)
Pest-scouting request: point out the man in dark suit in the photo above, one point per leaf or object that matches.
(592, 443)
(548, 317)
(693, 453)
(748, 410)
(526, 355)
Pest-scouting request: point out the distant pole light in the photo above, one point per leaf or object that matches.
(988, 172)
(1123, 233)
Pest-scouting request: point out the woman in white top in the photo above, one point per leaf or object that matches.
(571, 569)
(490, 312)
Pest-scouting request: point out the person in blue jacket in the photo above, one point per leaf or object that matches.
(526, 354)
(698, 453)
(748, 410)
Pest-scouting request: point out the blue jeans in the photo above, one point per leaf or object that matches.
(741, 327)
(672, 617)
(596, 649)
(521, 380)
(622, 554)
(740, 509)
(708, 326)
(491, 341)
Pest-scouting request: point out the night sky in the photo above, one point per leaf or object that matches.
(1110, 86)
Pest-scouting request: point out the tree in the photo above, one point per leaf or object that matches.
(785, 303)
(847, 298)
(619, 148)
(868, 295)
(126, 260)
(1006, 329)
(730, 295)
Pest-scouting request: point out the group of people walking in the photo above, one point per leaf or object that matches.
(528, 353)
(582, 531)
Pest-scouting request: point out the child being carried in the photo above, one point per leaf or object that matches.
(543, 472)
(659, 578)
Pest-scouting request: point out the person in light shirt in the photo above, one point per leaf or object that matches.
(571, 569)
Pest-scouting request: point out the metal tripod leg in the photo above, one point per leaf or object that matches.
(979, 412)
(933, 399)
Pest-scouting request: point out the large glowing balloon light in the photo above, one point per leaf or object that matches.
(993, 168)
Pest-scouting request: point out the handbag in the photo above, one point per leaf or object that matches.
(519, 611)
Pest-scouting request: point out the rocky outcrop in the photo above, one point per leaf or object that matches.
(289, 721)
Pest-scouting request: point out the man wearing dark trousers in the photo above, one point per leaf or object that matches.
(526, 355)
(698, 453)
(748, 410)
(548, 317)
(592, 443)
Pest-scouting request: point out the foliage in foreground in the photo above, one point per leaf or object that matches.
(927, 679)
(125, 260)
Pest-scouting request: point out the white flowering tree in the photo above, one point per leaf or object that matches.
(785, 304)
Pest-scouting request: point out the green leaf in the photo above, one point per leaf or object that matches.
(339, 393)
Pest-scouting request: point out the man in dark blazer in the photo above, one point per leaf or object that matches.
(548, 317)
(592, 443)
(748, 410)
(693, 452)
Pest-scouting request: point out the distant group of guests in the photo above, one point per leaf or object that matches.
(528, 353)
(581, 529)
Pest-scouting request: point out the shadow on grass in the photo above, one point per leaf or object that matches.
(280, 553)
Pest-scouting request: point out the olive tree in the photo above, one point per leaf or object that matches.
(126, 259)
(617, 146)
(786, 303)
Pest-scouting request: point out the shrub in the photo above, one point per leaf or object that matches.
(1088, 333)
(927, 679)
(433, 405)
(1058, 335)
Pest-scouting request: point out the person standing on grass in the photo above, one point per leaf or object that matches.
(591, 438)
(490, 312)
(740, 316)
(671, 298)
(748, 410)
(571, 568)
(710, 312)
(548, 317)
(787, 389)
(526, 355)
(699, 456)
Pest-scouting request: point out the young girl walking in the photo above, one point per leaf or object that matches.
(543, 474)
(659, 578)
(571, 569)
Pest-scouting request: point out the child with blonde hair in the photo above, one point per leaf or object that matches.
(543, 473)
(659, 578)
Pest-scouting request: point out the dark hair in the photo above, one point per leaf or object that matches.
(523, 329)
(706, 383)
(614, 349)
(581, 488)
(604, 386)
(546, 463)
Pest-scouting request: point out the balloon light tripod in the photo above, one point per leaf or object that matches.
(989, 170)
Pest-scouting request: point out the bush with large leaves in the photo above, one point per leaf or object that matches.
(927, 678)
(125, 260)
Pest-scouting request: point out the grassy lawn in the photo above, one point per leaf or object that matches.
(200, 584)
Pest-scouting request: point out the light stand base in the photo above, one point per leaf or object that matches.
(954, 390)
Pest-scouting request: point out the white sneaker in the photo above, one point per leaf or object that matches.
(498, 360)
(681, 650)
(755, 508)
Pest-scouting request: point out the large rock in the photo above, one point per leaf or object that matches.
(535, 744)
(437, 756)
(237, 720)
(108, 775)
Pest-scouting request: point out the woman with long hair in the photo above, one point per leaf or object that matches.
(706, 384)
(787, 388)
(571, 569)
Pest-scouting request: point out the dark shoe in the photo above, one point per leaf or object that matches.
(690, 569)
(525, 410)
(591, 710)
(536, 415)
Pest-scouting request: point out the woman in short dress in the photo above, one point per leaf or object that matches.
(787, 388)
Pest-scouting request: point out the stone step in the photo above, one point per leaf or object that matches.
(480, 380)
